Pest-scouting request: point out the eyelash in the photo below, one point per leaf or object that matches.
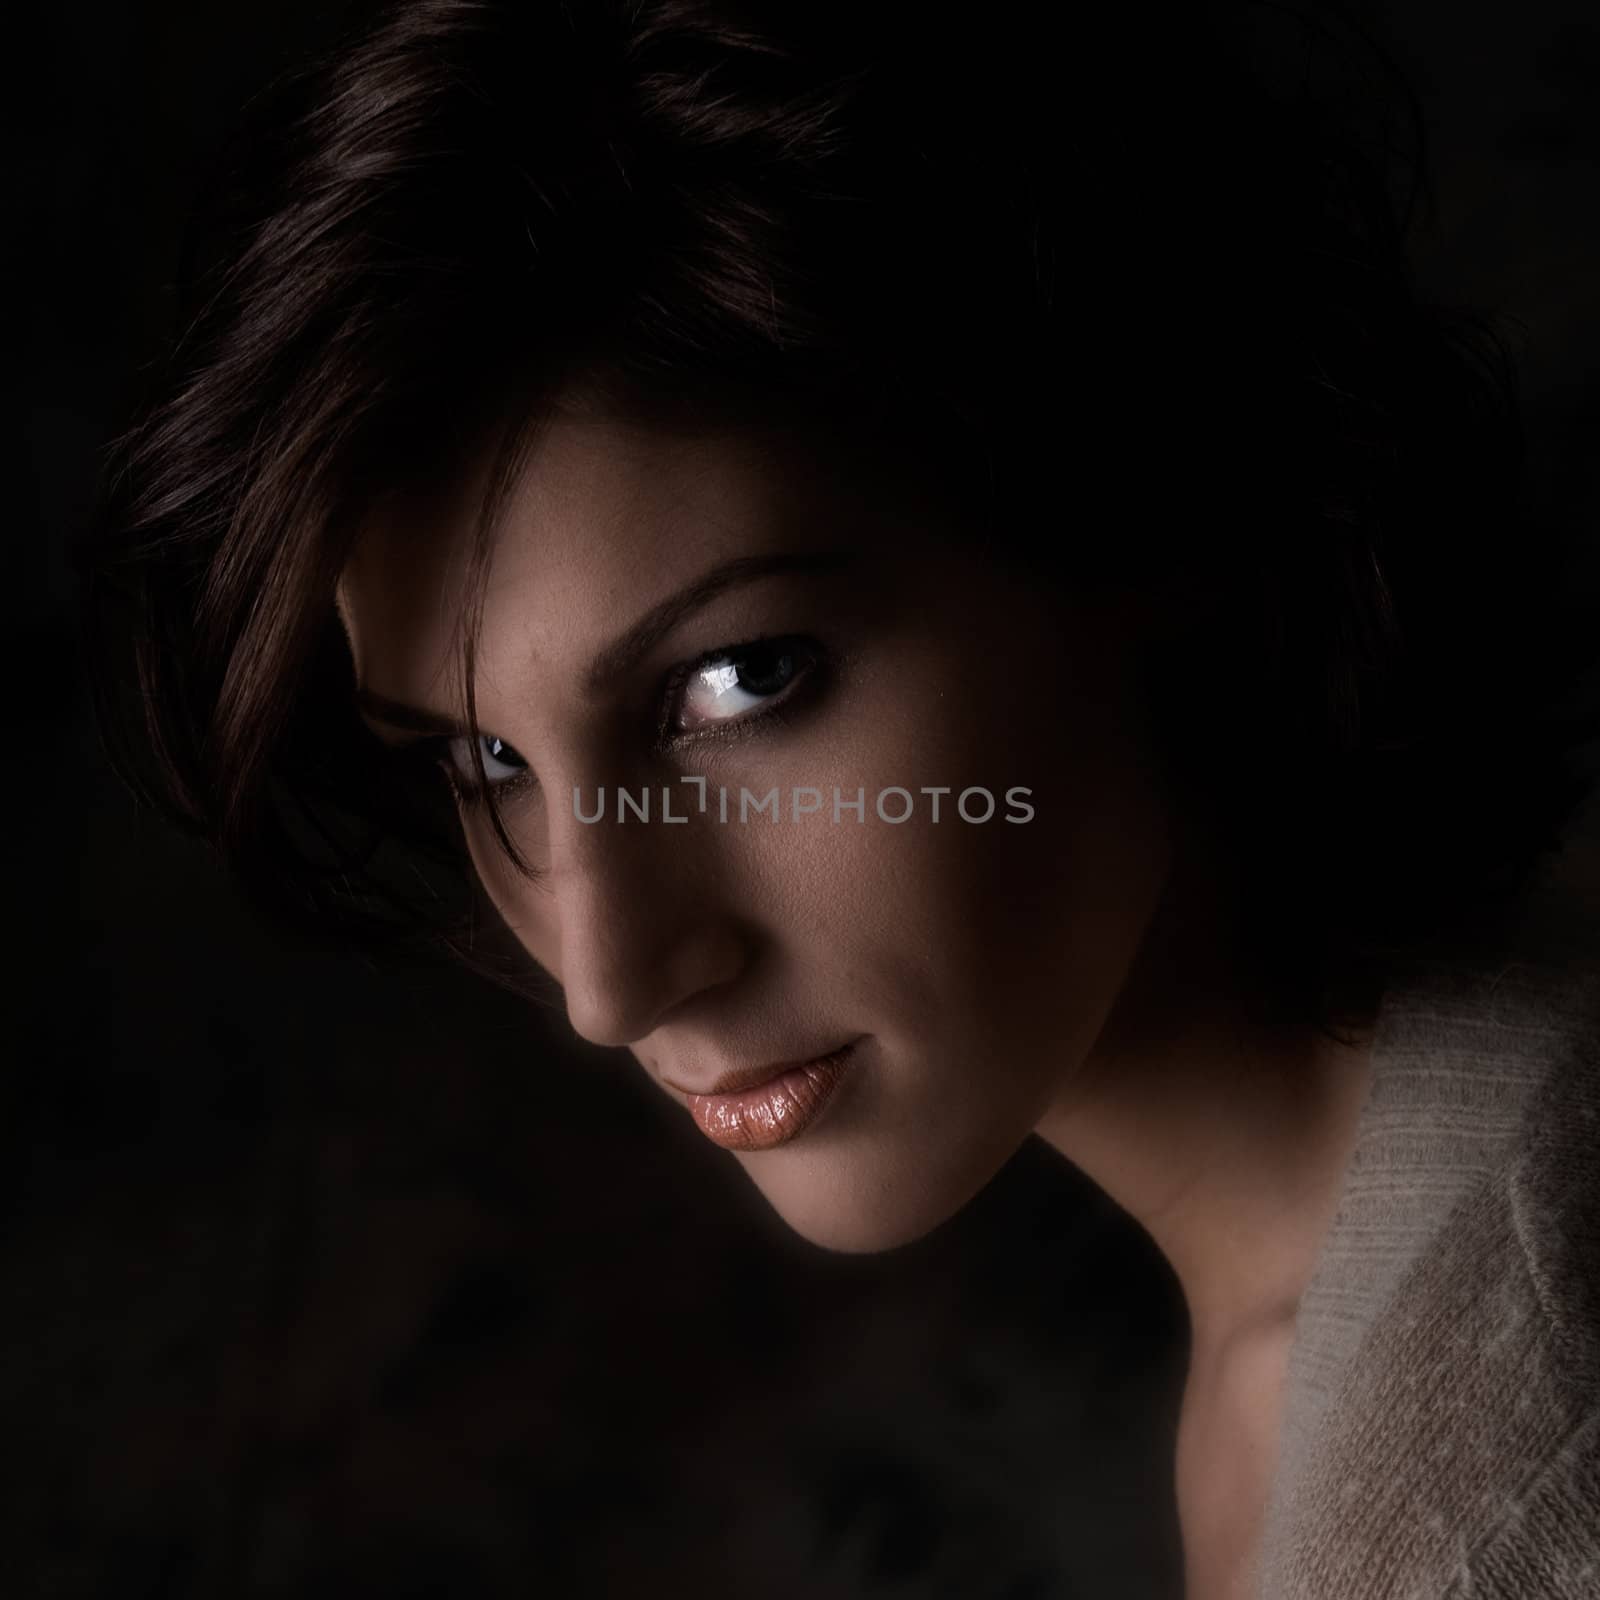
(434, 751)
(811, 660)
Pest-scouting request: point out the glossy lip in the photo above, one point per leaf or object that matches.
(768, 1106)
(742, 1078)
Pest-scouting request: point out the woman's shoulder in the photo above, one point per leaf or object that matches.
(1517, 1033)
(1443, 1428)
(1462, 1451)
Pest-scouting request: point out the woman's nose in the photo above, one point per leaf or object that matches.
(642, 923)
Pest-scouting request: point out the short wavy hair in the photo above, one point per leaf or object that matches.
(1129, 286)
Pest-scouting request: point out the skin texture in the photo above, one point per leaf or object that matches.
(1069, 976)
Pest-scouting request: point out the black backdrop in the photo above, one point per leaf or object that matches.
(321, 1277)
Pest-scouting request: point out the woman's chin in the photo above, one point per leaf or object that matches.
(856, 1215)
(851, 1234)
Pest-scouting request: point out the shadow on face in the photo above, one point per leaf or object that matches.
(745, 640)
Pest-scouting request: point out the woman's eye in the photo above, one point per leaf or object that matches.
(500, 762)
(725, 686)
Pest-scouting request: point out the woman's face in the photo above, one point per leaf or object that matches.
(973, 963)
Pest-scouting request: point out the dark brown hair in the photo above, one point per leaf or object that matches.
(1129, 286)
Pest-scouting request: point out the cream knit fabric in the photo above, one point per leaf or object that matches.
(1441, 1438)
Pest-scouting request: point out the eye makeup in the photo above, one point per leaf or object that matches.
(721, 693)
(737, 684)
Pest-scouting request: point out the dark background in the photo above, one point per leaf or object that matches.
(321, 1277)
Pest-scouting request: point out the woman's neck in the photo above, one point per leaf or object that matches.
(1225, 1136)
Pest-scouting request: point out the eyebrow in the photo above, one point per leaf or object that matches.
(624, 652)
(397, 714)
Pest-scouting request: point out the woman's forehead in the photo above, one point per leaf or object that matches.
(604, 515)
(595, 496)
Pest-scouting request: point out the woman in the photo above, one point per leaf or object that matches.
(942, 582)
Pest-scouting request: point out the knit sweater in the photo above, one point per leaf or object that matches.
(1441, 1434)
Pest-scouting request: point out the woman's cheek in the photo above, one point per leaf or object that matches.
(524, 905)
